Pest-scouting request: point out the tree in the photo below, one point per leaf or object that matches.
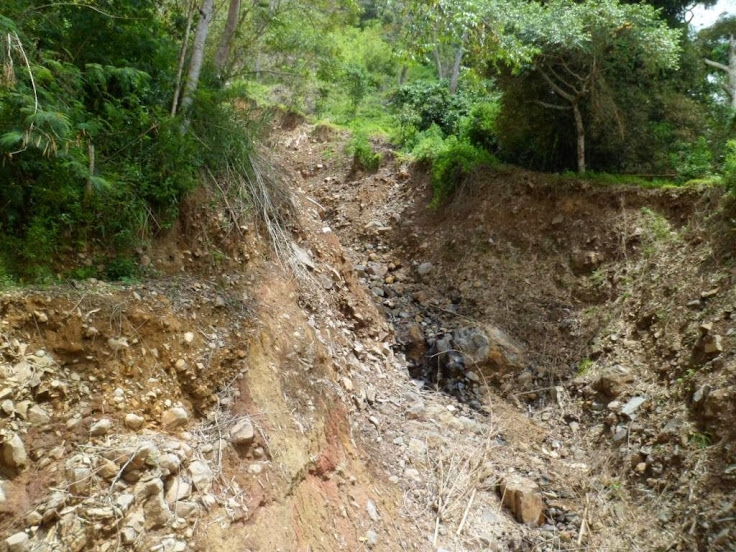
(720, 46)
(231, 25)
(195, 65)
(582, 49)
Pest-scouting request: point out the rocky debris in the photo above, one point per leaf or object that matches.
(14, 452)
(18, 542)
(100, 428)
(585, 261)
(202, 476)
(133, 421)
(425, 269)
(632, 406)
(174, 418)
(613, 381)
(522, 497)
(242, 433)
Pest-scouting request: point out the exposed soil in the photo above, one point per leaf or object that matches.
(541, 365)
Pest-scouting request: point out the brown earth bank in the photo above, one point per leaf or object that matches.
(542, 364)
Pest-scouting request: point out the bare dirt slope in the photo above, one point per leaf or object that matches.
(545, 366)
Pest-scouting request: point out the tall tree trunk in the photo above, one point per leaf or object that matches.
(182, 58)
(580, 134)
(402, 74)
(730, 70)
(223, 50)
(456, 65)
(438, 61)
(195, 65)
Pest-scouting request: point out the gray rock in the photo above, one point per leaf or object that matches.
(425, 269)
(242, 433)
(174, 418)
(613, 380)
(371, 539)
(14, 452)
(19, 542)
(370, 507)
(100, 428)
(632, 406)
(202, 476)
(38, 416)
(178, 489)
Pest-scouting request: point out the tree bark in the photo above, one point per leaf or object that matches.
(580, 134)
(402, 74)
(456, 65)
(182, 59)
(195, 65)
(223, 50)
(438, 61)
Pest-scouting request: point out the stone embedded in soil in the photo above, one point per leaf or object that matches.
(177, 489)
(202, 476)
(371, 539)
(370, 507)
(14, 452)
(425, 269)
(521, 496)
(242, 433)
(630, 408)
(175, 418)
(713, 344)
(613, 380)
(100, 428)
(19, 542)
(133, 421)
(37, 415)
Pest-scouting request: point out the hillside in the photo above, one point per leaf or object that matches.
(510, 374)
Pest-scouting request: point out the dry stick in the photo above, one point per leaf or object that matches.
(465, 515)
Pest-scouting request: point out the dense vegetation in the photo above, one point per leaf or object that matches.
(112, 110)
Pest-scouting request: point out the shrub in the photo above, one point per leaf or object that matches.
(452, 159)
(360, 148)
(693, 160)
(433, 104)
(479, 127)
(729, 166)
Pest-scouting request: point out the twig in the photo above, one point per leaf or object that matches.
(465, 515)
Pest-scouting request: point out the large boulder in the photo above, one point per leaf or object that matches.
(488, 350)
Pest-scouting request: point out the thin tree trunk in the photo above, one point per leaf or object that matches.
(223, 50)
(182, 58)
(402, 74)
(438, 61)
(456, 66)
(730, 70)
(580, 133)
(195, 65)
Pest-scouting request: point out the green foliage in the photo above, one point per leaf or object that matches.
(729, 166)
(480, 125)
(364, 157)
(451, 158)
(90, 152)
(433, 105)
(693, 160)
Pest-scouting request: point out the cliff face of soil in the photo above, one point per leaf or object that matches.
(541, 365)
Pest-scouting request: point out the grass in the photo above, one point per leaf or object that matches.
(584, 367)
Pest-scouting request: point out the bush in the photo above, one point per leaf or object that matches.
(360, 148)
(729, 166)
(693, 160)
(479, 127)
(452, 159)
(433, 104)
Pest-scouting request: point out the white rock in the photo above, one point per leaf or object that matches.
(242, 433)
(14, 452)
(38, 416)
(133, 421)
(188, 337)
(19, 542)
(100, 428)
(174, 418)
(202, 476)
(177, 489)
